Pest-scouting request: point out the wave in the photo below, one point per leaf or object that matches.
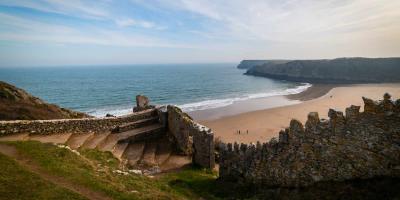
(116, 111)
(202, 105)
(217, 103)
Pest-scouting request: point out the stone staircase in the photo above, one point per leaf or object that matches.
(140, 144)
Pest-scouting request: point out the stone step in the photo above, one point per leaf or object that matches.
(94, 140)
(52, 138)
(175, 162)
(119, 150)
(164, 150)
(112, 139)
(77, 139)
(145, 114)
(133, 152)
(136, 124)
(141, 134)
(149, 153)
(15, 137)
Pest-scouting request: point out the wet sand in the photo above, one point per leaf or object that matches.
(263, 124)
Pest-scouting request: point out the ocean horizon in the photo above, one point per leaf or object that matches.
(111, 89)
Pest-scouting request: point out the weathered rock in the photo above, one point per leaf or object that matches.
(312, 121)
(370, 106)
(359, 146)
(109, 115)
(337, 120)
(142, 103)
(387, 104)
(352, 112)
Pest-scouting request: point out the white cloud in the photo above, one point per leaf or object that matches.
(131, 22)
(53, 33)
(294, 20)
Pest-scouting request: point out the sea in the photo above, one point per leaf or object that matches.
(101, 90)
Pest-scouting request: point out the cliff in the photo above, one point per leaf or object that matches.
(357, 145)
(17, 104)
(340, 70)
(247, 64)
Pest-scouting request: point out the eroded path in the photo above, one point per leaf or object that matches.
(30, 165)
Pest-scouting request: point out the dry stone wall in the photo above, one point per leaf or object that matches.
(191, 137)
(96, 125)
(355, 145)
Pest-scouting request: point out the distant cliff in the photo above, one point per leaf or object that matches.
(340, 70)
(247, 64)
(16, 104)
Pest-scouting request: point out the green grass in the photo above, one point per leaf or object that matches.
(94, 170)
(18, 183)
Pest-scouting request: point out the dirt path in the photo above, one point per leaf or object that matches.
(28, 164)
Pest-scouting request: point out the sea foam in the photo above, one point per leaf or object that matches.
(203, 105)
(217, 103)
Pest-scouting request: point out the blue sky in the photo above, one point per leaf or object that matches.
(84, 32)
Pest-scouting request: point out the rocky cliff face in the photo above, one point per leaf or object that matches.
(16, 104)
(341, 70)
(357, 145)
(247, 64)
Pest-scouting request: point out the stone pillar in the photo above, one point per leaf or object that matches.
(312, 122)
(336, 121)
(142, 103)
(387, 103)
(203, 144)
(352, 112)
(370, 106)
(178, 127)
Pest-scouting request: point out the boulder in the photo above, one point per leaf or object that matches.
(142, 103)
(109, 115)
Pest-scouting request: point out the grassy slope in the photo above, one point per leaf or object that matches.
(17, 183)
(94, 170)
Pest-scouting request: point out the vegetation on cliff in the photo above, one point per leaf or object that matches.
(247, 64)
(17, 104)
(340, 70)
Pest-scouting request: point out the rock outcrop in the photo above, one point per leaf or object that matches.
(142, 103)
(17, 104)
(357, 145)
(340, 70)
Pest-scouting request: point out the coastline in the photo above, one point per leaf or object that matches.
(263, 124)
(313, 92)
(262, 103)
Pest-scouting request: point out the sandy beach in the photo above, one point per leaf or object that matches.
(263, 124)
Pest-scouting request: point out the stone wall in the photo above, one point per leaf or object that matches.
(85, 125)
(191, 137)
(355, 145)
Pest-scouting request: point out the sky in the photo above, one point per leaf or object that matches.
(85, 32)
